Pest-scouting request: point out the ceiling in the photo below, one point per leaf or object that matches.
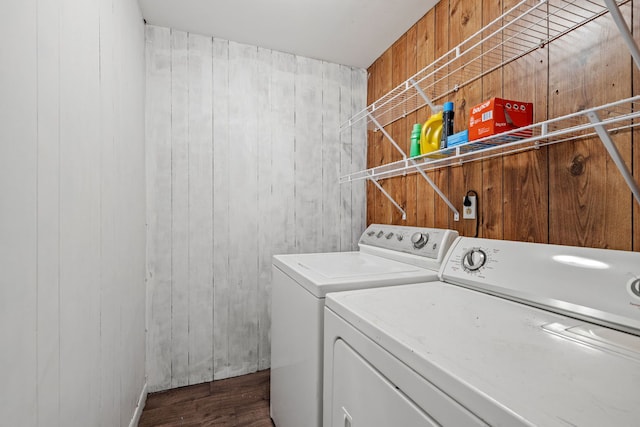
(348, 32)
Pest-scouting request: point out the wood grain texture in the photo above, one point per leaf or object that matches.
(265, 195)
(525, 175)
(239, 401)
(221, 194)
(180, 210)
(570, 193)
(200, 200)
(308, 154)
(397, 186)
(465, 20)
(385, 211)
(359, 194)
(372, 160)
(330, 151)
(636, 134)
(245, 166)
(490, 211)
(589, 204)
(425, 55)
(243, 200)
(441, 177)
(410, 197)
(283, 186)
(346, 153)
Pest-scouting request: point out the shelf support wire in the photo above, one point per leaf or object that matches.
(614, 153)
(434, 108)
(624, 30)
(386, 134)
(456, 214)
(383, 191)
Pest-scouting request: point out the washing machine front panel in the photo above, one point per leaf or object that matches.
(362, 396)
(508, 363)
(300, 284)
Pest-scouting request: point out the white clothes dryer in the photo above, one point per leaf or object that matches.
(514, 334)
(388, 255)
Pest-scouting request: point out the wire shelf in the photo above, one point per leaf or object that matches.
(614, 117)
(528, 26)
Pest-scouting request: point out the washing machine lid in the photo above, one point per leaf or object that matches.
(321, 273)
(508, 363)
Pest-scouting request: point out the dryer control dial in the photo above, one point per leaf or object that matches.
(473, 259)
(419, 240)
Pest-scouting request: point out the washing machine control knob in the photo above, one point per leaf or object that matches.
(473, 259)
(419, 240)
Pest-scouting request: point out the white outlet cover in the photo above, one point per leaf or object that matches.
(469, 212)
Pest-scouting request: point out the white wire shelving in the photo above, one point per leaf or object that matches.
(603, 121)
(528, 26)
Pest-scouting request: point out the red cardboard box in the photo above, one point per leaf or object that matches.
(499, 115)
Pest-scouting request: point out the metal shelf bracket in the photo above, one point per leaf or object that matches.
(456, 214)
(391, 199)
(614, 153)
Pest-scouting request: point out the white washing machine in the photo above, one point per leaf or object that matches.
(514, 334)
(388, 255)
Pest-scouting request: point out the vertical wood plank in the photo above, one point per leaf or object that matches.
(243, 247)
(180, 210)
(283, 140)
(346, 149)
(465, 20)
(425, 55)
(308, 155)
(80, 272)
(221, 190)
(18, 215)
(359, 194)
(330, 150)
(130, 207)
(490, 196)
(110, 291)
(519, 201)
(48, 350)
(635, 88)
(159, 216)
(525, 175)
(397, 186)
(200, 210)
(410, 180)
(385, 210)
(441, 177)
(372, 143)
(589, 201)
(265, 195)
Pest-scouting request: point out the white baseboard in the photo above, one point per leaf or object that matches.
(138, 412)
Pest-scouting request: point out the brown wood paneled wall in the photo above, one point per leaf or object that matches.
(569, 193)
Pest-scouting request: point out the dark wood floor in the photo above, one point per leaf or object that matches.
(240, 401)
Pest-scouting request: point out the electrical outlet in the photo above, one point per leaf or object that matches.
(469, 212)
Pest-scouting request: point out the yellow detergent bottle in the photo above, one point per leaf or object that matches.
(431, 134)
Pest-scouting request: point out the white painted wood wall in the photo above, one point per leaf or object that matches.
(243, 159)
(72, 212)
